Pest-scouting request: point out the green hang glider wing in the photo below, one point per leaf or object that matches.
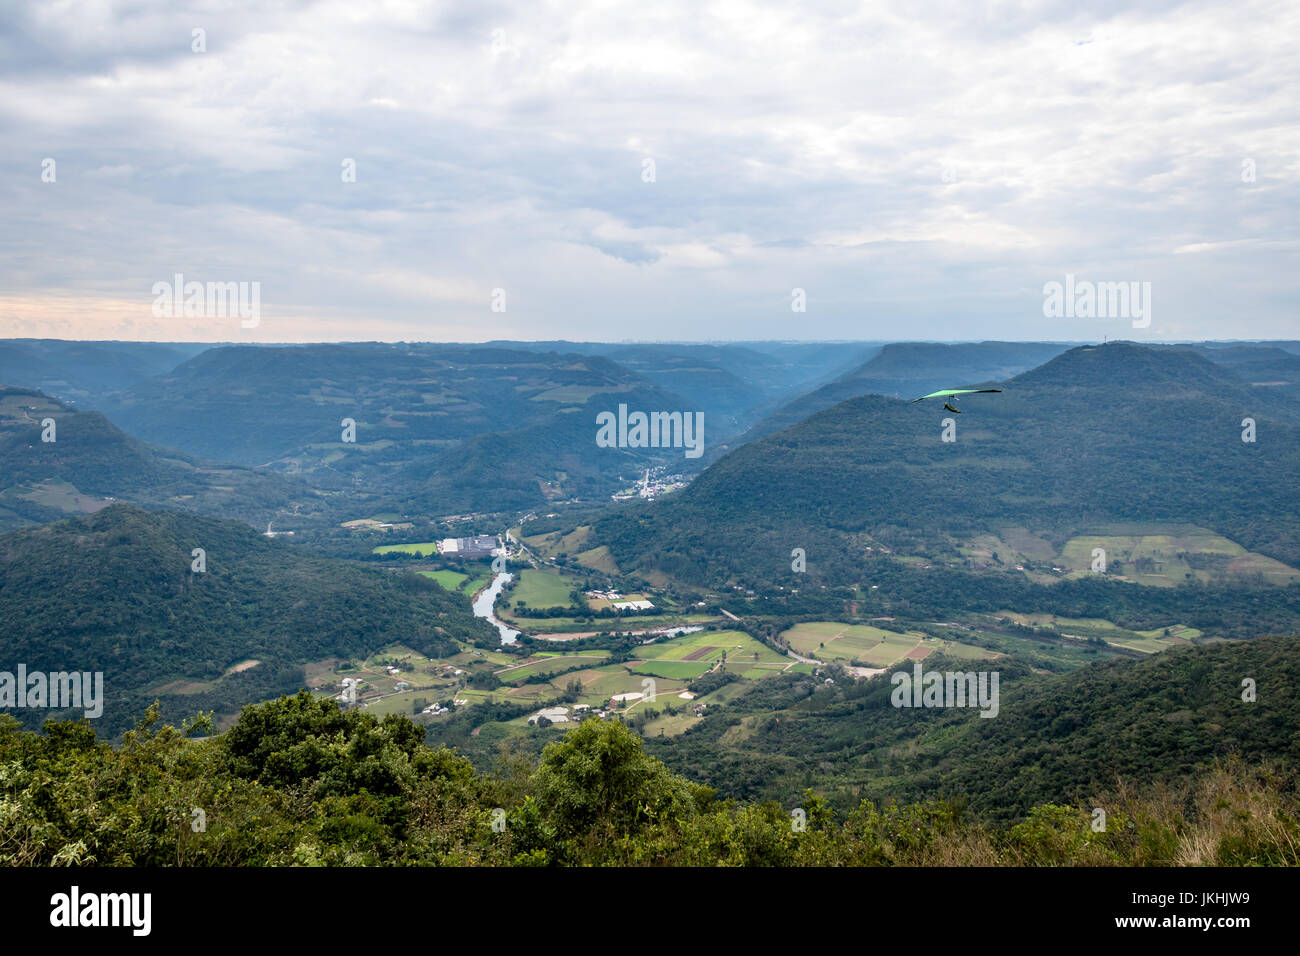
(949, 392)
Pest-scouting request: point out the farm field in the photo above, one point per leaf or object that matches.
(449, 579)
(591, 625)
(710, 646)
(65, 497)
(864, 645)
(434, 679)
(421, 549)
(1169, 557)
(1145, 642)
(550, 664)
(685, 670)
(550, 544)
(541, 588)
(672, 664)
(671, 725)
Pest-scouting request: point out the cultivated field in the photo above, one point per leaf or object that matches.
(422, 549)
(867, 646)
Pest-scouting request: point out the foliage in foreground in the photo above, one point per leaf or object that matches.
(298, 782)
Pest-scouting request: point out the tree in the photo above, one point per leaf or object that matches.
(597, 784)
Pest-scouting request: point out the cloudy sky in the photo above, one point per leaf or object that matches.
(648, 171)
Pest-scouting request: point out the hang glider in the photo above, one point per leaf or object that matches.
(950, 395)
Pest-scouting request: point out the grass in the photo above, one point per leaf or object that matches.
(831, 641)
(548, 665)
(542, 588)
(671, 726)
(710, 646)
(1165, 551)
(1084, 628)
(450, 580)
(680, 670)
(59, 494)
(595, 625)
(599, 559)
(421, 549)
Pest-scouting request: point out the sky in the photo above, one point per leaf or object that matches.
(648, 171)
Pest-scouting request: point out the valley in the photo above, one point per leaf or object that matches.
(737, 625)
(617, 441)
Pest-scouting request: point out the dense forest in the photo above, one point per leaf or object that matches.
(298, 782)
(99, 460)
(117, 592)
(1068, 736)
(1097, 436)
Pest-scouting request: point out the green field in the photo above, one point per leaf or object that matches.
(450, 580)
(1166, 557)
(680, 670)
(479, 583)
(710, 646)
(1085, 628)
(549, 665)
(671, 725)
(870, 646)
(542, 588)
(421, 549)
(592, 625)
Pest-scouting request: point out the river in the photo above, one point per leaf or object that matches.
(485, 601)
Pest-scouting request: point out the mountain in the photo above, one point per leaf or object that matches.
(1056, 738)
(1097, 437)
(445, 415)
(526, 467)
(116, 592)
(91, 463)
(909, 369)
(1264, 365)
(732, 383)
(81, 373)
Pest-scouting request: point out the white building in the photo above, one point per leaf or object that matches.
(633, 605)
(556, 715)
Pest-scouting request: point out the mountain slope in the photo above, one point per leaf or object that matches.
(91, 462)
(116, 592)
(420, 411)
(732, 383)
(83, 372)
(908, 369)
(1097, 436)
(1056, 738)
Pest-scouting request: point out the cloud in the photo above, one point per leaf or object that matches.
(919, 170)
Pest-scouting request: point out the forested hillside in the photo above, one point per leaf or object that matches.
(90, 462)
(1097, 436)
(1056, 738)
(296, 781)
(117, 592)
(461, 427)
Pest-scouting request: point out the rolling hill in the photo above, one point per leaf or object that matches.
(908, 369)
(92, 463)
(116, 592)
(1057, 738)
(732, 383)
(80, 373)
(432, 422)
(1097, 440)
